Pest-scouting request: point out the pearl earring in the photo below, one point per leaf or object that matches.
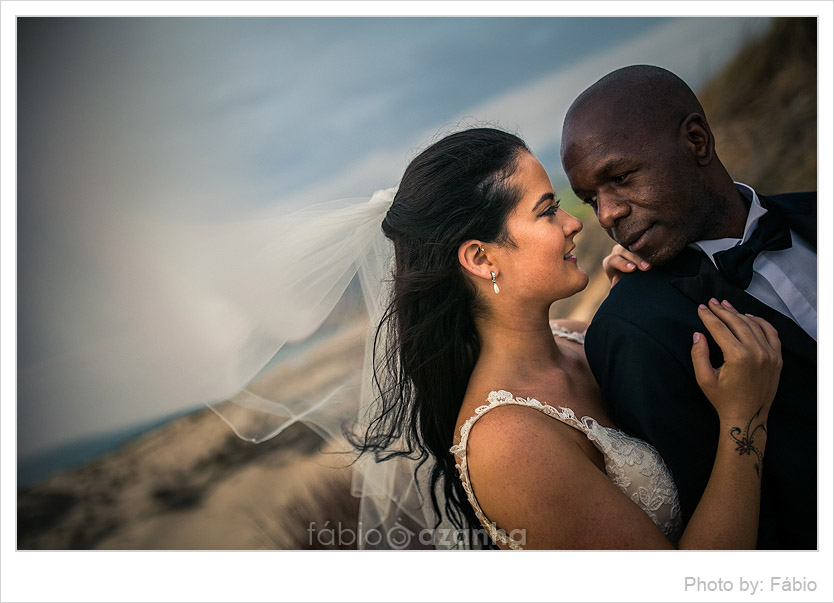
(494, 284)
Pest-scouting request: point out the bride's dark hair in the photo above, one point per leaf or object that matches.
(455, 190)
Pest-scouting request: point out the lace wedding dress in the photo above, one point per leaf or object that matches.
(631, 464)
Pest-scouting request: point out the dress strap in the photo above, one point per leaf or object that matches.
(567, 333)
(496, 399)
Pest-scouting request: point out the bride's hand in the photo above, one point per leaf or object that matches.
(746, 383)
(621, 261)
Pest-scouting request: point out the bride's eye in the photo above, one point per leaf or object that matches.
(551, 210)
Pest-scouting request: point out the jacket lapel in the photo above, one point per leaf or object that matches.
(696, 276)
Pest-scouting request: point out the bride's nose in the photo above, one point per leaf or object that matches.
(572, 225)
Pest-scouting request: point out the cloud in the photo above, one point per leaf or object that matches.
(693, 48)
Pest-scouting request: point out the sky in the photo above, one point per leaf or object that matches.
(123, 122)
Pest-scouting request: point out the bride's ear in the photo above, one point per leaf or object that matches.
(472, 257)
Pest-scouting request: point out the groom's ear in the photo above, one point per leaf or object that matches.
(697, 136)
(474, 260)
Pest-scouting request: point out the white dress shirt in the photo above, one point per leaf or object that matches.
(785, 280)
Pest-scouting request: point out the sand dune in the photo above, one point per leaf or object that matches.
(193, 484)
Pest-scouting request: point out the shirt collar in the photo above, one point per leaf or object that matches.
(756, 211)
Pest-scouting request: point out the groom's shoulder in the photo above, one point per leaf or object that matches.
(799, 211)
(643, 298)
(793, 203)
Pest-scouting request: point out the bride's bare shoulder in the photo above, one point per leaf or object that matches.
(508, 425)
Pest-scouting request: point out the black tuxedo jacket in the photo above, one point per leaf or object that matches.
(638, 346)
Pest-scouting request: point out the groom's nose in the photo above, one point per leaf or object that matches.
(610, 209)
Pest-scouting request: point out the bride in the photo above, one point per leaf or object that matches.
(473, 380)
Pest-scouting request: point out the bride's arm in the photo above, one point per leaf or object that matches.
(742, 391)
(532, 473)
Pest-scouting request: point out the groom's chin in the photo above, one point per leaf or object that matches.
(663, 247)
(661, 256)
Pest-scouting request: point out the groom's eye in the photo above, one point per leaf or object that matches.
(619, 178)
(592, 200)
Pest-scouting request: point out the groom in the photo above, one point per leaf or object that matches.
(637, 147)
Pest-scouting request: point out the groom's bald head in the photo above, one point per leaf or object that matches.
(642, 96)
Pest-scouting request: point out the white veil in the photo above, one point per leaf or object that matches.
(221, 314)
(311, 259)
(294, 269)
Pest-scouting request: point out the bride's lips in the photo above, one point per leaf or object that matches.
(569, 257)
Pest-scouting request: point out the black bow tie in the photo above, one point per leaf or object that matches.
(736, 263)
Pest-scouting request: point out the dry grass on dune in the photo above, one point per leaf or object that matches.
(192, 484)
(763, 109)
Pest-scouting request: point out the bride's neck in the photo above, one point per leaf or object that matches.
(518, 341)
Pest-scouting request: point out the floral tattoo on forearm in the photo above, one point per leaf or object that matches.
(745, 444)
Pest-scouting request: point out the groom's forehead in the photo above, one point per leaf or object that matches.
(621, 112)
(605, 139)
(613, 120)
